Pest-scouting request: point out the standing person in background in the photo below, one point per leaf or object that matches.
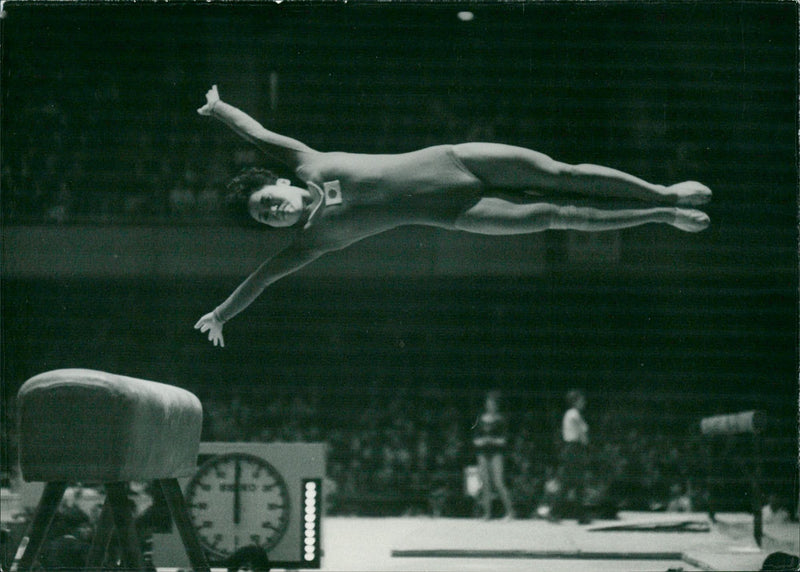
(490, 440)
(574, 457)
(70, 540)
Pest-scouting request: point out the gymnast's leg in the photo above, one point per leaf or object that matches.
(498, 477)
(496, 216)
(510, 167)
(486, 486)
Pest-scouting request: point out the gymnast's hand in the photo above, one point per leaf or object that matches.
(212, 97)
(210, 324)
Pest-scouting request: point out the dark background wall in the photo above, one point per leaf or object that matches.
(107, 268)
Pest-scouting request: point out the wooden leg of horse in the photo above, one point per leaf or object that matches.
(180, 515)
(123, 521)
(32, 542)
(102, 537)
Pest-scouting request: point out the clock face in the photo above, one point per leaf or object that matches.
(238, 500)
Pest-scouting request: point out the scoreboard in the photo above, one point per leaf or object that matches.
(265, 495)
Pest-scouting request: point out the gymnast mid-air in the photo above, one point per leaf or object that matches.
(483, 188)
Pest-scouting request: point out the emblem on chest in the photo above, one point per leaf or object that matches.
(333, 192)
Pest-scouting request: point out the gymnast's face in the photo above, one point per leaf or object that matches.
(280, 205)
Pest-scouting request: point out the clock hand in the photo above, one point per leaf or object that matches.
(237, 501)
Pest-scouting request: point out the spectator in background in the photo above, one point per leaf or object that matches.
(60, 207)
(525, 488)
(776, 510)
(551, 493)
(490, 439)
(679, 499)
(441, 490)
(71, 533)
(574, 459)
(781, 562)
(182, 201)
(249, 557)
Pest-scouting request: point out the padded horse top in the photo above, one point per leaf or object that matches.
(97, 427)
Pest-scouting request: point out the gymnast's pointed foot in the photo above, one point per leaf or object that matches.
(689, 193)
(690, 220)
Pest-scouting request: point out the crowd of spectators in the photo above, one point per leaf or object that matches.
(95, 155)
(406, 454)
(56, 173)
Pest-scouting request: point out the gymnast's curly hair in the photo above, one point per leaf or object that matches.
(239, 190)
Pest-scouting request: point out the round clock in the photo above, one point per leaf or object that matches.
(238, 500)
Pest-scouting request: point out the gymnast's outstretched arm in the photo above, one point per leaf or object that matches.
(287, 261)
(284, 149)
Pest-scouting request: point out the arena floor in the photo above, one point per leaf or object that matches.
(416, 544)
(633, 542)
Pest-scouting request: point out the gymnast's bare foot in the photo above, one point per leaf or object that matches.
(689, 193)
(690, 220)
